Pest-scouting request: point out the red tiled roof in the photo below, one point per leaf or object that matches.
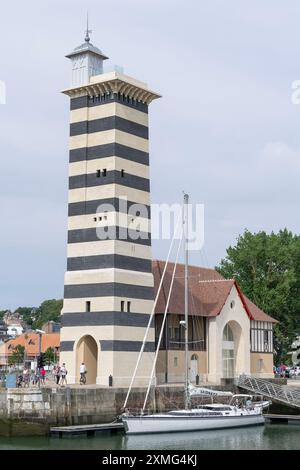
(257, 313)
(31, 342)
(208, 291)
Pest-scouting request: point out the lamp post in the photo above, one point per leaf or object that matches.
(40, 333)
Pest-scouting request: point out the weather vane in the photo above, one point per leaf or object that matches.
(87, 31)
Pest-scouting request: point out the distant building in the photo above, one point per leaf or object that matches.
(14, 330)
(3, 332)
(14, 323)
(31, 343)
(51, 327)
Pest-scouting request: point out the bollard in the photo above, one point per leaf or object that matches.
(110, 381)
(197, 379)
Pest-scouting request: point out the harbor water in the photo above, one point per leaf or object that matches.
(268, 437)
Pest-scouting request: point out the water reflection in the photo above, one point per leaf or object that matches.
(254, 438)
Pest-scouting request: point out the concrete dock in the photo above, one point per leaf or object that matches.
(282, 419)
(88, 429)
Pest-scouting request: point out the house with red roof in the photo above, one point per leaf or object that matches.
(30, 341)
(228, 334)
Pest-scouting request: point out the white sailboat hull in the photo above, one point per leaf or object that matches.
(167, 423)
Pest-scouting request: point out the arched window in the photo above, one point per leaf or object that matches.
(227, 333)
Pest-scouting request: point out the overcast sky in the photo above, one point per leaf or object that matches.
(225, 130)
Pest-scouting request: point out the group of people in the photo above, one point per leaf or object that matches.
(31, 377)
(60, 374)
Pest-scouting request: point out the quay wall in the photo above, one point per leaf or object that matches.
(32, 411)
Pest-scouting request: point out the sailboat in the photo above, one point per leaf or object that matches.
(240, 411)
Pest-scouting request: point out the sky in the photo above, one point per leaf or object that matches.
(226, 129)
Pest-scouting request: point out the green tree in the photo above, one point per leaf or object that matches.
(49, 310)
(2, 313)
(267, 267)
(50, 356)
(17, 356)
(27, 314)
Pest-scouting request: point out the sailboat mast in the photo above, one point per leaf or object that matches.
(186, 302)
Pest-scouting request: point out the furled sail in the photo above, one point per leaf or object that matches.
(206, 392)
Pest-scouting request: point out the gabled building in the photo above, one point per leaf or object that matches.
(228, 334)
(30, 341)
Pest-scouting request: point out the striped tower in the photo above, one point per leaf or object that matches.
(109, 283)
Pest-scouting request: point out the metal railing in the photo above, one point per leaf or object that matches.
(281, 393)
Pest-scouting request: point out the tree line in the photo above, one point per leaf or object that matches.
(35, 317)
(267, 268)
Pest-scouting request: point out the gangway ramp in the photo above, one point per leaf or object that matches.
(280, 393)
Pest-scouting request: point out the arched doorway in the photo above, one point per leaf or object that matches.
(233, 345)
(194, 368)
(87, 352)
(228, 352)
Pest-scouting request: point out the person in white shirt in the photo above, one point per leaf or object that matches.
(63, 375)
(82, 371)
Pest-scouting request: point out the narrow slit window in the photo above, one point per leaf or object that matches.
(98, 173)
(100, 218)
(95, 219)
(122, 305)
(104, 172)
(128, 306)
(88, 306)
(122, 173)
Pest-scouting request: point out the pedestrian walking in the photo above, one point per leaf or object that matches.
(54, 373)
(63, 375)
(57, 373)
(26, 377)
(42, 374)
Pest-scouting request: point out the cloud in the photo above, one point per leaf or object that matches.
(225, 129)
(280, 156)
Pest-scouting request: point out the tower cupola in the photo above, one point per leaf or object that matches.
(87, 61)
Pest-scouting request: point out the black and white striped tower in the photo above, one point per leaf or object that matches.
(109, 283)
